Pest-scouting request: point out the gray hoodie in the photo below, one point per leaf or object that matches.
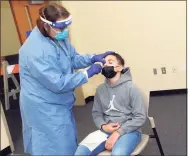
(122, 103)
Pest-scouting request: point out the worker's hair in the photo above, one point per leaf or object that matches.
(51, 12)
(119, 58)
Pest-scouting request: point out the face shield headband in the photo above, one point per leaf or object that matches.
(59, 24)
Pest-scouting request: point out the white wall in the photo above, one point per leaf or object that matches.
(148, 34)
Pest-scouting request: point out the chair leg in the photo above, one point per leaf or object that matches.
(6, 87)
(158, 141)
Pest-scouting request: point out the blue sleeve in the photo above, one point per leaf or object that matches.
(80, 61)
(47, 72)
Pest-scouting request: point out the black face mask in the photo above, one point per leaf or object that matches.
(109, 72)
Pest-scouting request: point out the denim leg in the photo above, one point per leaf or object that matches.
(98, 149)
(126, 144)
(82, 150)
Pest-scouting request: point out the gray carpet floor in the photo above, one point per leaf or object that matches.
(169, 113)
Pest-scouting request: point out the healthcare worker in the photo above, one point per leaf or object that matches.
(47, 62)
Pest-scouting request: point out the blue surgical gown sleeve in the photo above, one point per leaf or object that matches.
(79, 61)
(47, 72)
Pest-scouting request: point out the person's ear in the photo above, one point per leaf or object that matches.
(120, 68)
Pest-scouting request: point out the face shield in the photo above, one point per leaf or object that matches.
(59, 24)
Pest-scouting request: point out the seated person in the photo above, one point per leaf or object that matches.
(118, 111)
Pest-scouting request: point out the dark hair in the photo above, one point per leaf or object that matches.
(119, 58)
(51, 12)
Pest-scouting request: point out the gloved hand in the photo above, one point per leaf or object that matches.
(100, 57)
(94, 69)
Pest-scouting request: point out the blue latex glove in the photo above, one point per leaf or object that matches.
(100, 57)
(94, 69)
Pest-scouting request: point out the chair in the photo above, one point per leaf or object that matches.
(8, 71)
(145, 137)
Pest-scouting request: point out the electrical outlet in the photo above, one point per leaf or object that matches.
(163, 69)
(155, 71)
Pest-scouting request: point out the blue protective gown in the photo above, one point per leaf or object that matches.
(48, 80)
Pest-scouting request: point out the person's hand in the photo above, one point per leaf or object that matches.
(94, 69)
(100, 57)
(112, 140)
(111, 127)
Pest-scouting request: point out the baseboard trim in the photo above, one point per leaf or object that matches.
(168, 92)
(89, 99)
(152, 93)
(6, 151)
(12, 59)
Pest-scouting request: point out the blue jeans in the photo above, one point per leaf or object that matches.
(124, 146)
